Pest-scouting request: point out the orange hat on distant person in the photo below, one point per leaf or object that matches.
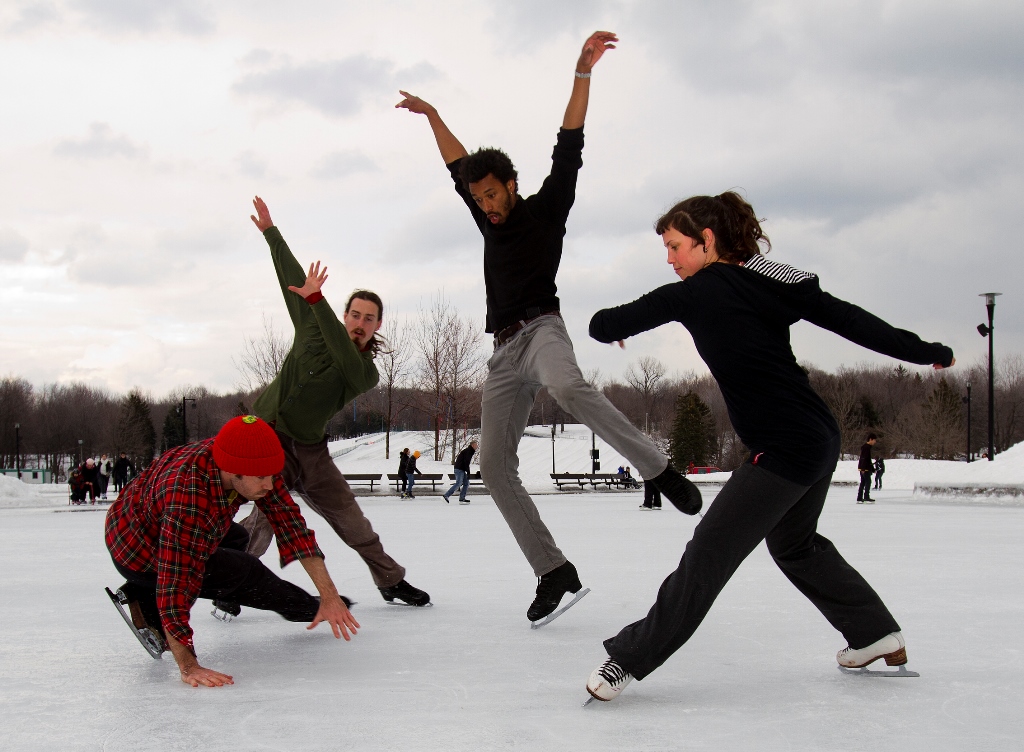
(416, 454)
(247, 445)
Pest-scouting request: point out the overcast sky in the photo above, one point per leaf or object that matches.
(881, 141)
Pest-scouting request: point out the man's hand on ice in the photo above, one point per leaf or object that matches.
(264, 222)
(196, 675)
(336, 613)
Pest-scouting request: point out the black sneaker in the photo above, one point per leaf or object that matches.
(682, 493)
(550, 589)
(406, 593)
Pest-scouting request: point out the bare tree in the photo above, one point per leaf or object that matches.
(261, 357)
(393, 364)
(644, 376)
(463, 372)
(432, 343)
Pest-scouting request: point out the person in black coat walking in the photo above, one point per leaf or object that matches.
(123, 470)
(462, 473)
(879, 472)
(739, 306)
(866, 466)
(403, 463)
(411, 472)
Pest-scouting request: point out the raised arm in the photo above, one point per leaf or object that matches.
(289, 271)
(449, 146)
(593, 49)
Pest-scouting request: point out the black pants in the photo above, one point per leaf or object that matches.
(864, 492)
(231, 575)
(652, 496)
(754, 505)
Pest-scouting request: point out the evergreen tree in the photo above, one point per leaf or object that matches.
(173, 432)
(136, 436)
(693, 433)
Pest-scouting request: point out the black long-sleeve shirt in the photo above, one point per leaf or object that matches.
(739, 317)
(462, 461)
(865, 463)
(521, 255)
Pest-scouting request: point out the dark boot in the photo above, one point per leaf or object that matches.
(406, 593)
(682, 493)
(550, 589)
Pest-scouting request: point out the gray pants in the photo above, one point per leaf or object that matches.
(541, 355)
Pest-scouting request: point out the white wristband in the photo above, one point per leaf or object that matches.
(582, 75)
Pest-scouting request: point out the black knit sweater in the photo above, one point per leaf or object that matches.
(521, 255)
(739, 317)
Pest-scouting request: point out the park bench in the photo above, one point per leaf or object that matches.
(431, 478)
(612, 480)
(364, 478)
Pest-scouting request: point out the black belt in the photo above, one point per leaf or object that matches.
(500, 338)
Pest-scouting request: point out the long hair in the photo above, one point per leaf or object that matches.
(377, 343)
(737, 230)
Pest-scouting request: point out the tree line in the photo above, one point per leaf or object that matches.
(431, 377)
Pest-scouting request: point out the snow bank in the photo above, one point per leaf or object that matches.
(16, 494)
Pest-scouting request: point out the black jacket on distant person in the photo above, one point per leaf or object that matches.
(462, 461)
(123, 468)
(866, 464)
(410, 466)
(403, 462)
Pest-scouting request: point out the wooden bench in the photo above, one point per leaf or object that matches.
(612, 480)
(432, 478)
(363, 478)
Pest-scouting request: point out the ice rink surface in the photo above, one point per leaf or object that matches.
(469, 673)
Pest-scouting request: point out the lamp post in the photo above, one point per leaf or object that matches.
(552, 444)
(967, 401)
(184, 423)
(986, 331)
(79, 451)
(17, 450)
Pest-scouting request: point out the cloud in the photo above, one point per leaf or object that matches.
(341, 164)
(251, 165)
(13, 245)
(189, 17)
(336, 88)
(101, 143)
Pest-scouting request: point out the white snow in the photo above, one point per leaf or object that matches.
(469, 673)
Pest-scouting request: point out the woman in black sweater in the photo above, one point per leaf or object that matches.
(738, 307)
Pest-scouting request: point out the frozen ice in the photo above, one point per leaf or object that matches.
(470, 674)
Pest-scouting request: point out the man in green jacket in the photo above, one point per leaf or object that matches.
(329, 365)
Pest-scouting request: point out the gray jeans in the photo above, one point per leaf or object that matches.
(541, 355)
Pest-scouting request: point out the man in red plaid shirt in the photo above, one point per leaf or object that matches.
(171, 535)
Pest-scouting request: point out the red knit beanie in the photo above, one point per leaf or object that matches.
(248, 446)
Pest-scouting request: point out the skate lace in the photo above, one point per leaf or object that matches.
(612, 672)
(547, 587)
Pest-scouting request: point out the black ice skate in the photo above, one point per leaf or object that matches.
(682, 493)
(551, 587)
(151, 638)
(406, 593)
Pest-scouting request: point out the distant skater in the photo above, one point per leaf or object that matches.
(411, 471)
(329, 365)
(461, 468)
(403, 463)
(522, 250)
(866, 467)
(879, 472)
(738, 306)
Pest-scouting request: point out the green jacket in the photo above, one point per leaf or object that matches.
(323, 371)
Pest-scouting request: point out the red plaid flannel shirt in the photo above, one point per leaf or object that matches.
(173, 516)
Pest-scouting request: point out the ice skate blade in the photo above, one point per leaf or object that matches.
(552, 616)
(147, 638)
(397, 602)
(588, 701)
(901, 672)
(223, 616)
